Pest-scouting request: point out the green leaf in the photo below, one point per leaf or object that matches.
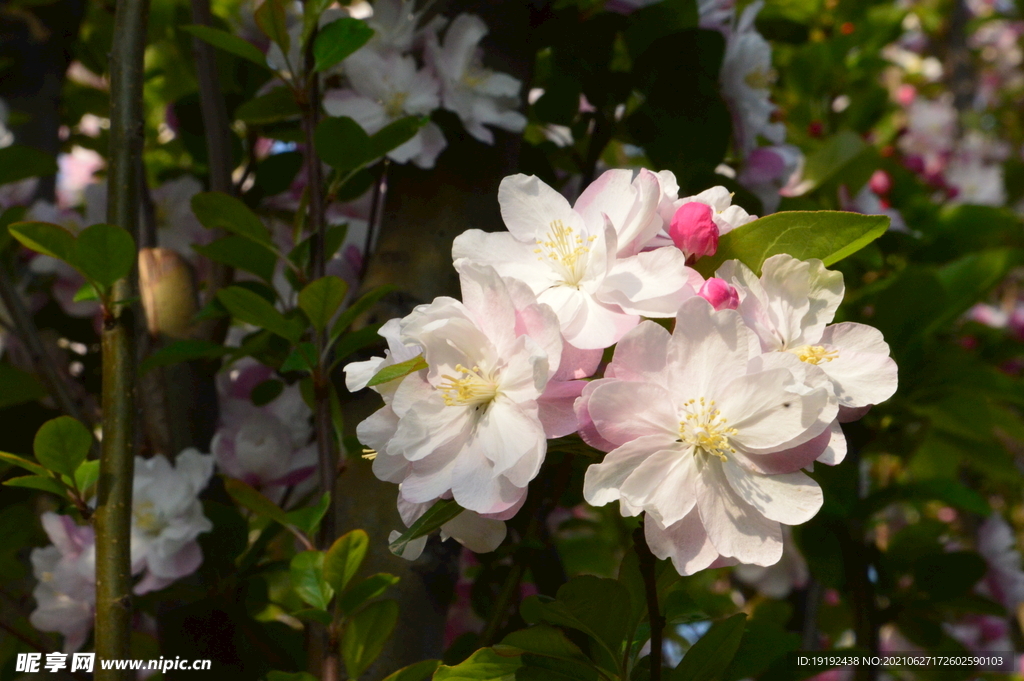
(314, 615)
(183, 351)
(830, 158)
(338, 39)
(277, 105)
(217, 210)
(541, 639)
(308, 519)
(46, 238)
(366, 590)
(311, 12)
(87, 292)
(364, 303)
(242, 254)
(395, 134)
(272, 18)
(344, 558)
(486, 664)
(827, 235)
(40, 482)
(266, 392)
(419, 671)
(366, 632)
(302, 358)
(248, 497)
(307, 574)
(710, 656)
(228, 42)
(396, 371)
(18, 386)
(275, 173)
(18, 162)
(321, 299)
(87, 474)
(356, 341)
(61, 444)
(253, 309)
(342, 143)
(764, 641)
(649, 24)
(105, 253)
(437, 515)
(23, 463)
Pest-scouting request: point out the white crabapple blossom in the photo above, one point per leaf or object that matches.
(572, 258)
(66, 591)
(789, 308)
(700, 431)
(477, 94)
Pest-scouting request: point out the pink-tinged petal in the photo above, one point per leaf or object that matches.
(708, 349)
(721, 295)
(486, 298)
(653, 283)
(685, 542)
(693, 230)
(597, 325)
(390, 467)
(785, 460)
(851, 414)
(754, 306)
(611, 195)
(430, 426)
(503, 252)
(587, 429)
(508, 513)
(863, 373)
(376, 430)
(641, 354)
(835, 452)
(735, 528)
(529, 207)
(768, 412)
(480, 535)
(790, 498)
(624, 411)
(603, 481)
(576, 363)
(476, 487)
(664, 484)
(358, 374)
(556, 407)
(569, 306)
(506, 433)
(803, 296)
(430, 478)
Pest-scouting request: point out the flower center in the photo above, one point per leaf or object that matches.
(704, 427)
(814, 354)
(470, 388)
(566, 251)
(760, 79)
(393, 107)
(475, 76)
(148, 519)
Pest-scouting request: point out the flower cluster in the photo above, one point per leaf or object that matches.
(410, 69)
(707, 427)
(167, 517)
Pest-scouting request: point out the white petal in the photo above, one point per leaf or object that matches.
(641, 354)
(510, 257)
(708, 349)
(767, 411)
(790, 498)
(602, 481)
(529, 206)
(653, 283)
(664, 484)
(685, 542)
(624, 411)
(863, 373)
(480, 535)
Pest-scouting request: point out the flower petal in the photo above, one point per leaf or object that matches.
(603, 481)
(685, 542)
(790, 498)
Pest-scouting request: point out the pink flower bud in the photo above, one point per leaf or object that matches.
(720, 294)
(880, 182)
(693, 230)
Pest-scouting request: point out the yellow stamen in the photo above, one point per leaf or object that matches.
(814, 354)
(566, 251)
(369, 454)
(704, 427)
(470, 388)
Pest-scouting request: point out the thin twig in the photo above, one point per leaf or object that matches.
(647, 564)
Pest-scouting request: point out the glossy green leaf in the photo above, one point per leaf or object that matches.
(217, 210)
(365, 634)
(272, 18)
(251, 499)
(321, 298)
(277, 105)
(826, 235)
(87, 474)
(338, 39)
(253, 309)
(308, 519)
(710, 656)
(307, 574)
(486, 664)
(302, 358)
(342, 143)
(46, 238)
(105, 253)
(366, 590)
(61, 444)
(437, 515)
(541, 639)
(419, 671)
(18, 386)
(362, 305)
(314, 615)
(355, 341)
(183, 351)
(228, 42)
(19, 162)
(829, 159)
(22, 462)
(41, 482)
(344, 558)
(242, 254)
(87, 292)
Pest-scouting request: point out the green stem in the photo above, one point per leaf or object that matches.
(648, 563)
(114, 503)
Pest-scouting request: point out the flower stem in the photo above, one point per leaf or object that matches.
(647, 563)
(114, 503)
